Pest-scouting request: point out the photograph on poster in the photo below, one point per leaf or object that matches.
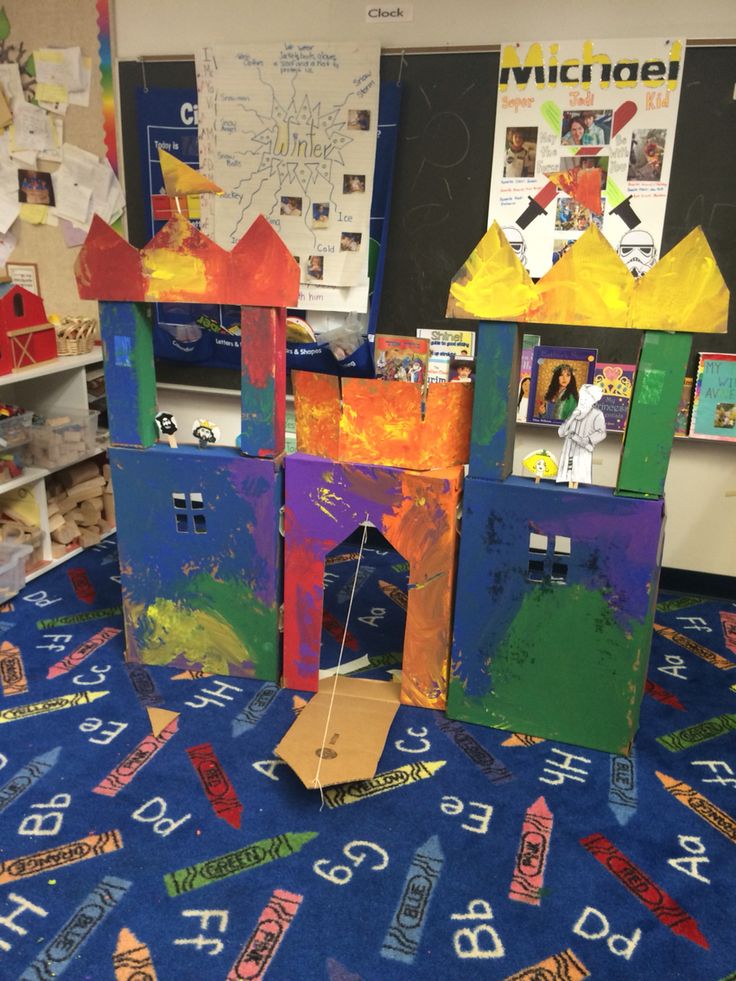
(35, 187)
(587, 163)
(573, 216)
(353, 184)
(350, 241)
(521, 151)
(315, 266)
(646, 154)
(587, 127)
(291, 206)
(320, 215)
(359, 119)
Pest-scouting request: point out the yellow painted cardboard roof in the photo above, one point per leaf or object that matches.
(591, 287)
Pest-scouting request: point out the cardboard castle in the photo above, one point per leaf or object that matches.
(557, 586)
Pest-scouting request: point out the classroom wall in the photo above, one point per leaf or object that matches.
(701, 525)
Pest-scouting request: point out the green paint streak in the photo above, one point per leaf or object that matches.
(216, 624)
(564, 670)
(614, 194)
(4, 25)
(653, 414)
(145, 373)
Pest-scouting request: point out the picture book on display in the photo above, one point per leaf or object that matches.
(557, 376)
(445, 346)
(683, 409)
(714, 402)
(401, 358)
(616, 381)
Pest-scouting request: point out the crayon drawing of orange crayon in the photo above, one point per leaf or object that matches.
(521, 739)
(132, 959)
(60, 856)
(531, 857)
(700, 805)
(143, 753)
(722, 663)
(260, 948)
(564, 966)
(12, 671)
(665, 908)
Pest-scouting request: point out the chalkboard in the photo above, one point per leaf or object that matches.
(443, 172)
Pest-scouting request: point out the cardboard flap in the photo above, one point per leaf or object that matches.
(361, 716)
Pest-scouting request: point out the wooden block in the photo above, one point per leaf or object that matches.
(56, 521)
(67, 533)
(94, 483)
(57, 550)
(90, 536)
(91, 509)
(79, 473)
(87, 495)
(106, 472)
(108, 509)
(67, 504)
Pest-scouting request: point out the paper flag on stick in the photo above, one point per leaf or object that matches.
(180, 178)
(583, 186)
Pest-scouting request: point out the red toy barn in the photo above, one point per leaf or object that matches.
(26, 336)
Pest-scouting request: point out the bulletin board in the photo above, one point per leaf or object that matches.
(443, 171)
(56, 23)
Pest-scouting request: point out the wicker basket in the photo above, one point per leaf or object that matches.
(76, 335)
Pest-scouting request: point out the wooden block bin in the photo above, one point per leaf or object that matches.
(80, 506)
(63, 438)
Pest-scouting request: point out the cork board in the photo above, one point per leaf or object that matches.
(83, 126)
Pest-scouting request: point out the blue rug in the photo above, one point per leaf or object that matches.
(199, 855)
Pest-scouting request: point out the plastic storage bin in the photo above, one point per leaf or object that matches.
(15, 435)
(12, 569)
(63, 438)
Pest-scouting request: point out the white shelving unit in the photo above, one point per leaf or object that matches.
(45, 388)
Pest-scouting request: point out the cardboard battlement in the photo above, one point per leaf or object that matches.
(368, 420)
(182, 265)
(591, 287)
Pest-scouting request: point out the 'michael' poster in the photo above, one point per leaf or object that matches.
(585, 134)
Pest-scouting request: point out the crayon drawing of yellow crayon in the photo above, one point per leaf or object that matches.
(55, 704)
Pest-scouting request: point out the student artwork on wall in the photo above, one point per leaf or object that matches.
(714, 402)
(558, 374)
(584, 136)
(289, 131)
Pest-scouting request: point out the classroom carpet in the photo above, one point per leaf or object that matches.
(475, 853)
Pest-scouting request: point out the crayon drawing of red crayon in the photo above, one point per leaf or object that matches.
(216, 784)
(665, 908)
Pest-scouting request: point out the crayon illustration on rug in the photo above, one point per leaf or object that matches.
(148, 830)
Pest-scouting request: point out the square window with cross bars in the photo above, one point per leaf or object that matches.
(189, 512)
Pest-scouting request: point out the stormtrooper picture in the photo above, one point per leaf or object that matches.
(516, 241)
(638, 251)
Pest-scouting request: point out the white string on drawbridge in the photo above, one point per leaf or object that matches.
(316, 780)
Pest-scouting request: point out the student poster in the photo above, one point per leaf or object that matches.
(585, 136)
(289, 131)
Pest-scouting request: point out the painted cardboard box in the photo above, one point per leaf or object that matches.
(369, 420)
(200, 558)
(416, 512)
(567, 583)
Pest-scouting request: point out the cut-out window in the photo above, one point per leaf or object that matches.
(188, 510)
(122, 351)
(18, 308)
(549, 558)
(562, 545)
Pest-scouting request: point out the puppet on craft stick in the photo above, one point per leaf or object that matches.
(582, 431)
